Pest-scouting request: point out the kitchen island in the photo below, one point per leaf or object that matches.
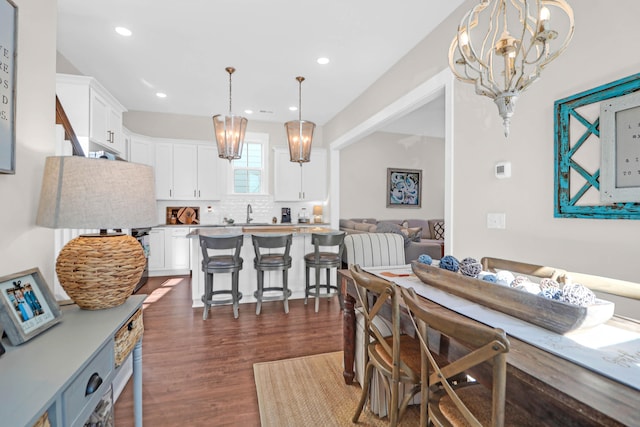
(248, 278)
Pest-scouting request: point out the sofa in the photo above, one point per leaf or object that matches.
(422, 236)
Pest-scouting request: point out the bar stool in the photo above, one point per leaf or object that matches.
(268, 261)
(223, 263)
(319, 260)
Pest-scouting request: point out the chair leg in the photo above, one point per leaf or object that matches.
(340, 296)
(317, 288)
(259, 294)
(206, 298)
(393, 404)
(307, 285)
(365, 392)
(285, 289)
(234, 293)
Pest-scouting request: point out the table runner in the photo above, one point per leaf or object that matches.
(611, 351)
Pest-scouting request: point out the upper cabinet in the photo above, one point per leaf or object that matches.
(141, 149)
(187, 171)
(96, 116)
(293, 184)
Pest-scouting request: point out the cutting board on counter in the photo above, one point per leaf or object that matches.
(183, 215)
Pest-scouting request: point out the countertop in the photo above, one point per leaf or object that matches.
(260, 229)
(236, 225)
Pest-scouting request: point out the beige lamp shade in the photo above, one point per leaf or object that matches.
(98, 271)
(81, 192)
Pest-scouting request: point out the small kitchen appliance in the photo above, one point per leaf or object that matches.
(286, 216)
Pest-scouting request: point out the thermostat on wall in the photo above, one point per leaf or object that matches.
(503, 170)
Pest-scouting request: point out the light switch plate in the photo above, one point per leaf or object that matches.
(497, 220)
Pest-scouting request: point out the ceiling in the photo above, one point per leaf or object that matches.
(181, 48)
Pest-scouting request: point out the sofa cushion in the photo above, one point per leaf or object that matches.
(436, 226)
(367, 220)
(389, 227)
(422, 223)
(363, 226)
(413, 234)
(347, 223)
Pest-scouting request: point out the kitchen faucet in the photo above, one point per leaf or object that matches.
(249, 211)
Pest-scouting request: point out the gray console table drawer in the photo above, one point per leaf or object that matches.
(75, 399)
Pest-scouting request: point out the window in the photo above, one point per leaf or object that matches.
(248, 172)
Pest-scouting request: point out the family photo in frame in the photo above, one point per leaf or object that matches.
(27, 306)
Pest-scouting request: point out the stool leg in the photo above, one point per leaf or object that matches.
(206, 298)
(306, 283)
(317, 288)
(234, 293)
(285, 290)
(328, 270)
(259, 294)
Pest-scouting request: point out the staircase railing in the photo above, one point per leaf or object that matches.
(69, 134)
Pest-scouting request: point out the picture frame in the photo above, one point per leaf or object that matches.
(27, 306)
(404, 188)
(8, 55)
(620, 149)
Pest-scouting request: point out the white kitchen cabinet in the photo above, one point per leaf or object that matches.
(186, 171)
(209, 182)
(141, 150)
(156, 249)
(292, 184)
(169, 251)
(94, 113)
(176, 250)
(164, 170)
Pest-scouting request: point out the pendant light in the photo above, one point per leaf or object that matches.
(502, 46)
(229, 130)
(300, 133)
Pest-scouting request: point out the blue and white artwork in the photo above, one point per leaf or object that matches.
(404, 188)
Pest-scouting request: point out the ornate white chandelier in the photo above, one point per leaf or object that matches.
(502, 46)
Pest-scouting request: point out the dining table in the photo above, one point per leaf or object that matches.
(554, 389)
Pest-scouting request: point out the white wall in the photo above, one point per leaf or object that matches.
(363, 187)
(600, 52)
(25, 245)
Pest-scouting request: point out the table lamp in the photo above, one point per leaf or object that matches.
(317, 214)
(98, 270)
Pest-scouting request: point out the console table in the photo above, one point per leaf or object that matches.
(51, 372)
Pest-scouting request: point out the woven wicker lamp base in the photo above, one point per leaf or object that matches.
(100, 271)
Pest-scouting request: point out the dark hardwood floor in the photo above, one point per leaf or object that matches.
(200, 373)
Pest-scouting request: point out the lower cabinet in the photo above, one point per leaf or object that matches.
(169, 251)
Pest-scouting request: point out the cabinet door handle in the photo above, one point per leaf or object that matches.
(194, 193)
(169, 192)
(94, 382)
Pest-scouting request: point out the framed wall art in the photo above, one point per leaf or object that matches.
(27, 306)
(597, 162)
(404, 188)
(8, 50)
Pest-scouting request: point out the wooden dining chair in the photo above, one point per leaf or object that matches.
(444, 403)
(396, 357)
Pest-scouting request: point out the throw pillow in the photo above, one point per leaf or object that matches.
(413, 234)
(437, 229)
(389, 227)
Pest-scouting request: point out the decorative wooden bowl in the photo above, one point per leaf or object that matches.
(556, 316)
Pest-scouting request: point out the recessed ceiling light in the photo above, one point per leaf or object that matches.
(248, 111)
(161, 94)
(123, 31)
(323, 61)
(293, 108)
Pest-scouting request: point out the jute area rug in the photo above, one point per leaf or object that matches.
(310, 391)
